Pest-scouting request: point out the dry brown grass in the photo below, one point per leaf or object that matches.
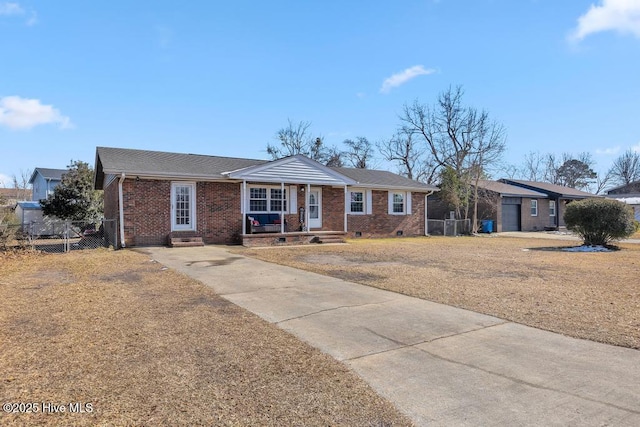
(147, 346)
(595, 296)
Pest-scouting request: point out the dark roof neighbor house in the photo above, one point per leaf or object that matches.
(160, 197)
(516, 205)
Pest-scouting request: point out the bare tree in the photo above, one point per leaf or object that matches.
(359, 152)
(21, 184)
(296, 139)
(626, 168)
(461, 138)
(533, 167)
(406, 151)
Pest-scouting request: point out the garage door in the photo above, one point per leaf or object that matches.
(510, 217)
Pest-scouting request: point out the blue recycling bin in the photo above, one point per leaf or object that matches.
(487, 225)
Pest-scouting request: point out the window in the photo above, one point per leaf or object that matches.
(398, 203)
(267, 199)
(258, 199)
(357, 202)
(277, 202)
(534, 208)
(552, 208)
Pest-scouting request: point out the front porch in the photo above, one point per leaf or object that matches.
(292, 238)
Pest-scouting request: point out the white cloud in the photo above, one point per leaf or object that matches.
(622, 16)
(404, 76)
(10, 8)
(22, 113)
(636, 147)
(610, 151)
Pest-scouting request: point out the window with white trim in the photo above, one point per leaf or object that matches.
(398, 203)
(534, 208)
(267, 199)
(552, 208)
(357, 202)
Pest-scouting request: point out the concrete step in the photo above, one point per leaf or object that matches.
(331, 239)
(182, 242)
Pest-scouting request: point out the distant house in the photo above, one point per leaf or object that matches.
(159, 198)
(43, 182)
(629, 194)
(516, 205)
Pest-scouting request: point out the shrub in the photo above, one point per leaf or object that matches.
(599, 221)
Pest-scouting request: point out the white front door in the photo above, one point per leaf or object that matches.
(183, 202)
(315, 208)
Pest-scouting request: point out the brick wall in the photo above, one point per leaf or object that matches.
(381, 224)
(147, 212)
(536, 223)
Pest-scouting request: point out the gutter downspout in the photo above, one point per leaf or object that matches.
(120, 203)
(426, 217)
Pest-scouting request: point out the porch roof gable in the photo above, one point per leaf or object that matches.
(293, 169)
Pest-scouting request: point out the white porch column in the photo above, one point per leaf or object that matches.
(346, 217)
(282, 211)
(306, 209)
(243, 206)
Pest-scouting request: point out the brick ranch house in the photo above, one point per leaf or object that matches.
(159, 198)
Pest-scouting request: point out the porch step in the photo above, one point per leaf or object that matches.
(330, 239)
(182, 240)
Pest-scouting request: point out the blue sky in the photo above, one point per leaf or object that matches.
(221, 78)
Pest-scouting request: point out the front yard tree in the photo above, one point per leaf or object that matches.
(452, 135)
(74, 198)
(599, 221)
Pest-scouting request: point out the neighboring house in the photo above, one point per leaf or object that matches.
(158, 197)
(44, 180)
(539, 213)
(629, 194)
(516, 205)
(11, 196)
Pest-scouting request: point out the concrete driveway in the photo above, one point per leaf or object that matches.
(438, 364)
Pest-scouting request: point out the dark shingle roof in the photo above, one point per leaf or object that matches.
(47, 173)
(146, 163)
(383, 179)
(509, 190)
(163, 164)
(551, 189)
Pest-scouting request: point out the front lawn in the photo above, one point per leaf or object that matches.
(595, 296)
(131, 343)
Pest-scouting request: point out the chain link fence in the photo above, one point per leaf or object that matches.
(59, 236)
(448, 227)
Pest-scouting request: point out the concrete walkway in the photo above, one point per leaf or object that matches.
(439, 365)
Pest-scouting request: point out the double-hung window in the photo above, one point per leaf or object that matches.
(357, 202)
(398, 203)
(258, 200)
(267, 199)
(534, 208)
(552, 208)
